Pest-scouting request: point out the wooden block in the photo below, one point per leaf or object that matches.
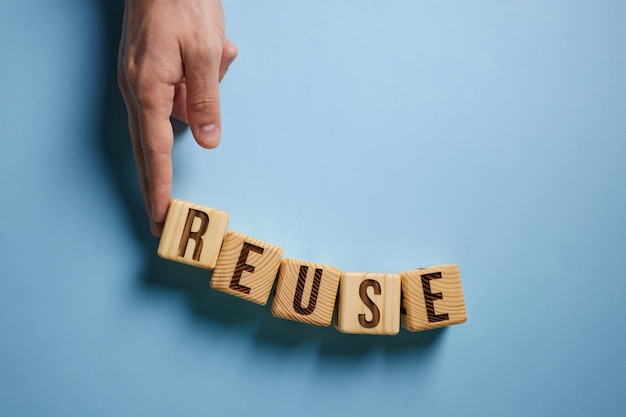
(432, 297)
(193, 234)
(306, 292)
(369, 303)
(246, 267)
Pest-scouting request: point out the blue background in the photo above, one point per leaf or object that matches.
(372, 136)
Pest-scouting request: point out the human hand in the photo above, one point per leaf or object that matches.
(172, 56)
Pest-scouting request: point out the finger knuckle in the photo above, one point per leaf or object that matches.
(136, 80)
(152, 154)
(121, 79)
(204, 103)
(124, 68)
(231, 51)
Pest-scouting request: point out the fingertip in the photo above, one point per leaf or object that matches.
(208, 136)
(156, 228)
(159, 209)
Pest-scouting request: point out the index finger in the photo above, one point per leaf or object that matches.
(157, 138)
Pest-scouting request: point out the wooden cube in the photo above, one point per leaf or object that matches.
(246, 267)
(193, 234)
(369, 303)
(432, 297)
(306, 292)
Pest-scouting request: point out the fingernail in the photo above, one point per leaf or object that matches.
(209, 136)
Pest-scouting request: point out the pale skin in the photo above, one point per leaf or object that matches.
(172, 56)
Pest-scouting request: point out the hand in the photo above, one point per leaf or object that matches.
(172, 56)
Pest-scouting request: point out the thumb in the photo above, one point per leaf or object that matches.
(203, 97)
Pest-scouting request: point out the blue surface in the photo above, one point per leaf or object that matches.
(373, 136)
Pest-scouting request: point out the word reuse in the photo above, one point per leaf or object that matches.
(308, 292)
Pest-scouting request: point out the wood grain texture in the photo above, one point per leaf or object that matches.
(193, 234)
(306, 292)
(432, 297)
(246, 267)
(369, 303)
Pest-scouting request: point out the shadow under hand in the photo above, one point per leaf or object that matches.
(115, 140)
(205, 304)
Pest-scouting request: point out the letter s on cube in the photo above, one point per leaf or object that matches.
(369, 303)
